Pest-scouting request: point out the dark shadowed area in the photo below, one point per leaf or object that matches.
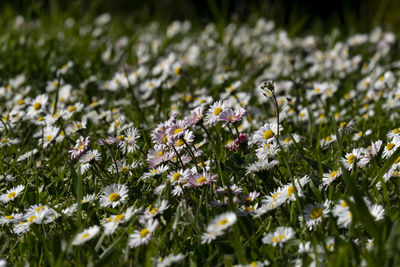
(301, 16)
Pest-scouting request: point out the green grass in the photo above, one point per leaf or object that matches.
(38, 49)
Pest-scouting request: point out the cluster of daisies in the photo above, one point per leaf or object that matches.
(202, 143)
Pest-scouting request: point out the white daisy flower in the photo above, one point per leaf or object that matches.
(328, 178)
(37, 105)
(111, 223)
(85, 235)
(314, 214)
(266, 133)
(113, 195)
(87, 158)
(325, 142)
(280, 236)
(157, 209)
(169, 260)
(50, 133)
(143, 236)
(217, 226)
(343, 213)
(11, 194)
(12, 218)
(391, 147)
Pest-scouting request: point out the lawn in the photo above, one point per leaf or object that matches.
(223, 144)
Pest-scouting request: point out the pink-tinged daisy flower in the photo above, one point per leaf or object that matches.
(214, 112)
(158, 155)
(201, 179)
(231, 116)
(82, 145)
(195, 116)
(176, 130)
(179, 143)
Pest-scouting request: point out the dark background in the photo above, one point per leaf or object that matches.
(300, 15)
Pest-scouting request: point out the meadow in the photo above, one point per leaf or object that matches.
(188, 145)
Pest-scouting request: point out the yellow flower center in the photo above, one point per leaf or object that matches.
(389, 146)
(85, 235)
(344, 204)
(9, 217)
(333, 174)
(71, 108)
(80, 147)
(328, 139)
(176, 176)
(180, 142)
(217, 111)
(396, 131)
(178, 70)
(268, 134)
(222, 222)
(11, 195)
(253, 263)
(37, 106)
(55, 83)
(124, 169)
(154, 210)
(39, 208)
(177, 131)
(114, 197)
(316, 213)
(202, 101)
(21, 102)
(77, 126)
(31, 219)
(118, 217)
(287, 140)
(397, 160)
(350, 159)
(144, 232)
(290, 190)
(201, 180)
(121, 138)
